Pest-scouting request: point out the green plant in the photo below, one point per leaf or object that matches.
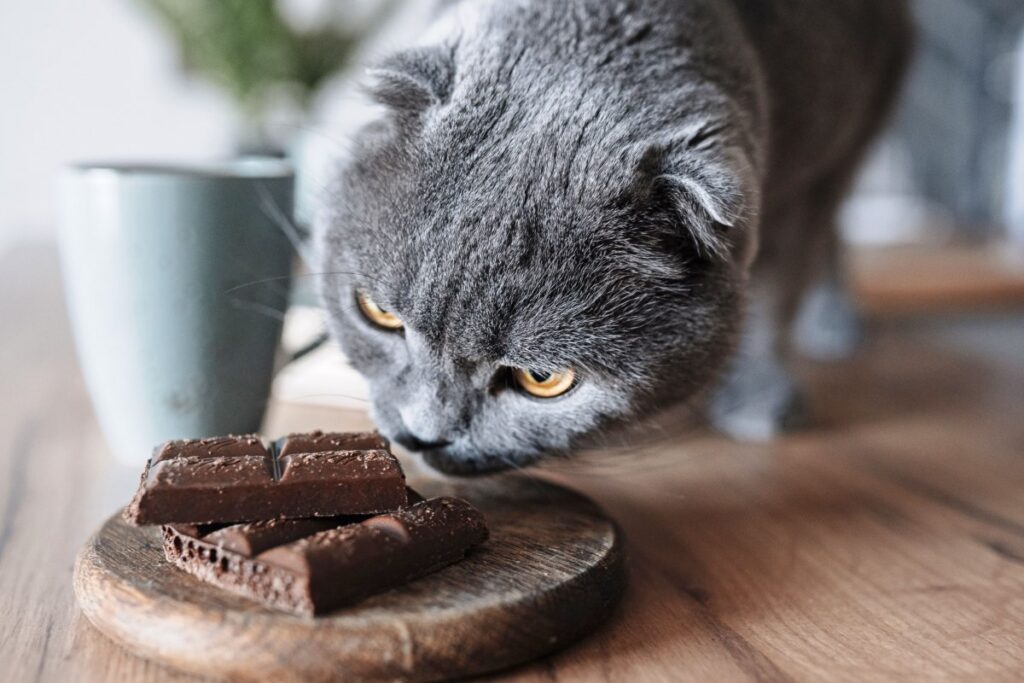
(247, 48)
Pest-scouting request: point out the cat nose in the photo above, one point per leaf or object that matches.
(414, 443)
(425, 423)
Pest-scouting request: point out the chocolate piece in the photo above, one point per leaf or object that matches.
(321, 442)
(217, 446)
(323, 571)
(236, 479)
(252, 538)
(197, 530)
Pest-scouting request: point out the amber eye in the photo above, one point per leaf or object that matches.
(544, 384)
(375, 314)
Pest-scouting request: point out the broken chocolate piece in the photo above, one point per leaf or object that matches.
(334, 567)
(236, 479)
(252, 538)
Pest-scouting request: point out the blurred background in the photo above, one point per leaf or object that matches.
(181, 79)
(937, 219)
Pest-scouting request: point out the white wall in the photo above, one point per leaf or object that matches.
(90, 79)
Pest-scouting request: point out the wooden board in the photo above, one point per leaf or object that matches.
(551, 572)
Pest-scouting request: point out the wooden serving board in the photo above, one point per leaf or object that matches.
(552, 571)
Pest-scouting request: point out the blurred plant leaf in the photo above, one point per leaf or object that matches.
(246, 47)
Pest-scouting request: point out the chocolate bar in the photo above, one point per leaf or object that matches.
(312, 572)
(237, 479)
(323, 442)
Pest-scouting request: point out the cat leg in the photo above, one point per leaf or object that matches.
(827, 325)
(757, 398)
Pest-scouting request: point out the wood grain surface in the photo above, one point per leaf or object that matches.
(915, 279)
(551, 571)
(885, 544)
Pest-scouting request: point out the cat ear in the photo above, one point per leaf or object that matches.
(413, 80)
(709, 185)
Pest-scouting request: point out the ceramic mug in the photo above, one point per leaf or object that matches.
(176, 279)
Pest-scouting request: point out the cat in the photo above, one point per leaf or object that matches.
(575, 213)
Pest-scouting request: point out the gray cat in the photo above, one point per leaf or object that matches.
(578, 212)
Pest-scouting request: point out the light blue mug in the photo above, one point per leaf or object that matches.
(176, 279)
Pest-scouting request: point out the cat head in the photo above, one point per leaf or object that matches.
(519, 262)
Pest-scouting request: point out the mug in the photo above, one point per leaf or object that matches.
(176, 279)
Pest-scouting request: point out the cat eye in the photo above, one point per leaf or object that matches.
(375, 314)
(544, 384)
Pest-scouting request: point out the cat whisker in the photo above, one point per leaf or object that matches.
(287, 226)
(256, 307)
(331, 395)
(257, 282)
(296, 276)
(613, 450)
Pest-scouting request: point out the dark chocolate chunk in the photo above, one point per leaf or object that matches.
(252, 538)
(321, 442)
(334, 567)
(214, 447)
(236, 479)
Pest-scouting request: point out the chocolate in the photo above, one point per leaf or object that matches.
(321, 571)
(236, 479)
(322, 442)
(252, 538)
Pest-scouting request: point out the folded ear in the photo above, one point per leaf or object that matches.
(413, 80)
(710, 184)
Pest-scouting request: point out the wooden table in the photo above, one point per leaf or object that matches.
(938, 277)
(885, 544)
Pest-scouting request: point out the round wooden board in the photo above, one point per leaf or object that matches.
(551, 572)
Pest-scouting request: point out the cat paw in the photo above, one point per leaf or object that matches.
(827, 326)
(757, 404)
